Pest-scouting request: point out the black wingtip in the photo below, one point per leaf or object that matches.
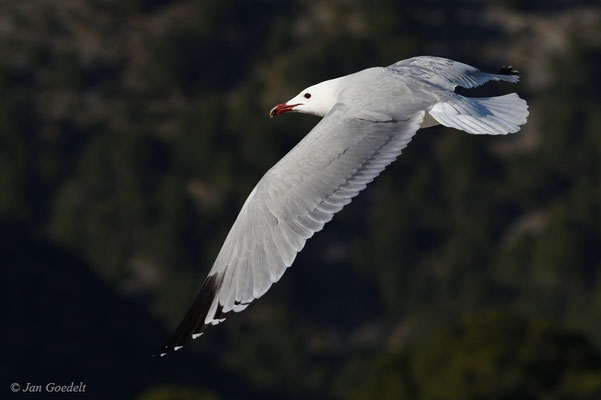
(507, 70)
(192, 324)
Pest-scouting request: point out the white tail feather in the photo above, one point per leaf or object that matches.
(483, 116)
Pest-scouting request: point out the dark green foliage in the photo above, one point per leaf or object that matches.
(492, 356)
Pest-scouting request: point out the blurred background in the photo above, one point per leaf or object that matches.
(131, 131)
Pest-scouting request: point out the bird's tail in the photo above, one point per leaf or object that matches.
(482, 116)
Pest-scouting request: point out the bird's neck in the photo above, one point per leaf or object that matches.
(329, 92)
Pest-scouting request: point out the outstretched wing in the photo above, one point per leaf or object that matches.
(292, 201)
(449, 74)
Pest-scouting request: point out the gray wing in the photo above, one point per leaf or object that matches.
(292, 201)
(449, 74)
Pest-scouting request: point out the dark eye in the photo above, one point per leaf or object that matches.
(307, 95)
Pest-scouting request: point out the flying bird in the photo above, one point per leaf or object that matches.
(368, 118)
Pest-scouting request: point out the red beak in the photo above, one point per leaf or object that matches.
(281, 109)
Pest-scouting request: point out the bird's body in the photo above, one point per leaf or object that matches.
(369, 117)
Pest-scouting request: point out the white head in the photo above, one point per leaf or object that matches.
(317, 100)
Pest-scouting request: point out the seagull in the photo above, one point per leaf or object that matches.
(369, 117)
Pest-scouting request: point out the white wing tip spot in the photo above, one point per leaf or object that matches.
(217, 321)
(176, 348)
(195, 335)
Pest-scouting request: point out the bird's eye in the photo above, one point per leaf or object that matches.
(307, 95)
